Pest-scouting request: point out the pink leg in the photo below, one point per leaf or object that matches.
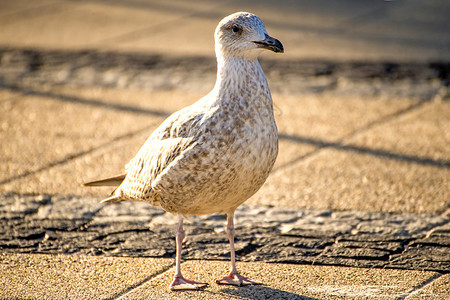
(234, 278)
(179, 282)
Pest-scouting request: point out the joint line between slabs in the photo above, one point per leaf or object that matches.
(34, 12)
(142, 282)
(382, 120)
(414, 290)
(74, 156)
(144, 32)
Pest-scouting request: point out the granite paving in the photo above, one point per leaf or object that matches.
(73, 277)
(357, 206)
(75, 225)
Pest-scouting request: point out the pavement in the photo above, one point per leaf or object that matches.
(357, 206)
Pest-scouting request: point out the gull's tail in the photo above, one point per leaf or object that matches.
(113, 198)
(111, 181)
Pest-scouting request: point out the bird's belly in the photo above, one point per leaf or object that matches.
(241, 171)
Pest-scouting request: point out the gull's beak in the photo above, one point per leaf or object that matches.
(271, 44)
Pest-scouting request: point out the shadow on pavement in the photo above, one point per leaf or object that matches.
(262, 292)
(421, 160)
(294, 138)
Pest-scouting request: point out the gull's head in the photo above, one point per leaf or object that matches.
(243, 34)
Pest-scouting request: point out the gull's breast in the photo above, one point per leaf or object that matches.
(242, 154)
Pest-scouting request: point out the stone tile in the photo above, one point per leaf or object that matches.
(69, 129)
(102, 162)
(141, 212)
(18, 206)
(407, 225)
(82, 128)
(139, 101)
(71, 26)
(437, 289)
(68, 207)
(323, 29)
(16, 11)
(5, 100)
(309, 30)
(383, 169)
(82, 225)
(423, 134)
(421, 257)
(307, 122)
(283, 281)
(167, 39)
(341, 180)
(37, 276)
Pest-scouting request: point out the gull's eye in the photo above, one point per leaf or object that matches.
(236, 29)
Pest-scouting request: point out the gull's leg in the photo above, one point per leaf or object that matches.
(179, 282)
(234, 278)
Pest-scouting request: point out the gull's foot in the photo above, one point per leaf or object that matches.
(237, 280)
(181, 284)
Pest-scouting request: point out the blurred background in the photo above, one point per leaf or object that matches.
(403, 30)
(361, 94)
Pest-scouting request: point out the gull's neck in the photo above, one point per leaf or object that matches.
(241, 78)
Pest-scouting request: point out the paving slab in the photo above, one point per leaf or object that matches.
(180, 32)
(322, 120)
(33, 276)
(25, 69)
(14, 7)
(27, 119)
(309, 29)
(307, 122)
(69, 25)
(423, 134)
(340, 180)
(387, 168)
(282, 281)
(81, 127)
(82, 225)
(302, 131)
(94, 78)
(437, 289)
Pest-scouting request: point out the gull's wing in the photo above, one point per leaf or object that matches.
(152, 159)
(165, 147)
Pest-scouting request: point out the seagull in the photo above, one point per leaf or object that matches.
(213, 155)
